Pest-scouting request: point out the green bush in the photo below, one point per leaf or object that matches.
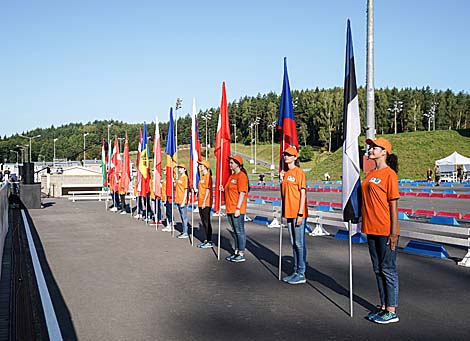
(306, 154)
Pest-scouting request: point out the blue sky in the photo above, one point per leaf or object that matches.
(77, 61)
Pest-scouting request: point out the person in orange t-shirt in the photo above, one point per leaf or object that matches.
(182, 198)
(295, 210)
(236, 194)
(380, 222)
(205, 202)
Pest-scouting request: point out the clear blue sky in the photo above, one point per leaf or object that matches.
(77, 61)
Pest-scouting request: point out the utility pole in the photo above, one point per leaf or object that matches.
(370, 103)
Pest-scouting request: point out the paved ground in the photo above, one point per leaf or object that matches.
(114, 278)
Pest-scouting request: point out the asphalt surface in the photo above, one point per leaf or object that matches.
(113, 278)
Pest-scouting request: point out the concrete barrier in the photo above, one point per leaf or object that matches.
(443, 221)
(426, 249)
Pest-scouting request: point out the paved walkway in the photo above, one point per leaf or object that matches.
(113, 278)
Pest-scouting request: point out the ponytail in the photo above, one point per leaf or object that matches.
(392, 162)
(242, 169)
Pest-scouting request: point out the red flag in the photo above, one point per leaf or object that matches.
(116, 167)
(157, 162)
(222, 150)
(139, 175)
(126, 169)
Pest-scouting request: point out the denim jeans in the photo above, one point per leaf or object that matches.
(297, 240)
(384, 263)
(169, 212)
(238, 225)
(184, 217)
(159, 210)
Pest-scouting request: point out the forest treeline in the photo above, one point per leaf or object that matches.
(318, 114)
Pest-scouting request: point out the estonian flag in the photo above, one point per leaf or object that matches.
(352, 129)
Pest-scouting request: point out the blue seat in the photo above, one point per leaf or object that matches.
(260, 201)
(449, 191)
(261, 220)
(426, 249)
(358, 238)
(406, 190)
(443, 221)
(325, 208)
(403, 216)
(276, 203)
(426, 190)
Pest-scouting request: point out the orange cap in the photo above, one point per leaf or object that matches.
(237, 158)
(292, 151)
(182, 165)
(382, 143)
(205, 163)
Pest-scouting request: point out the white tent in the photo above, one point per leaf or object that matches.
(448, 164)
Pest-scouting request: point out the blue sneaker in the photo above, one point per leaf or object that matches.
(229, 258)
(288, 278)
(238, 259)
(374, 313)
(201, 244)
(386, 318)
(207, 245)
(297, 279)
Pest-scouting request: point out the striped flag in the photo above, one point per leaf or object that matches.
(104, 160)
(352, 129)
(116, 167)
(195, 151)
(138, 185)
(157, 162)
(222, 150)
(143, 164)
(170, 151)
(286, 122)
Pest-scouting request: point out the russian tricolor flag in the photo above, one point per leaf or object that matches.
(195, 151)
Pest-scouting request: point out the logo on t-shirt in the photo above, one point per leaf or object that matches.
(291, 178)
(234, 181)
(375, 181)
(180, 181)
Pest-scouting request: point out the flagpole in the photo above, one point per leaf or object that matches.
(282, 220)
(172, 202)
(192, 217)
(350, 270)
(220, 195)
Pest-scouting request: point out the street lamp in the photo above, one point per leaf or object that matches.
(251, 142)
(14, 151)
(84, 135)
(256, 124)
(22, 152)
(120, 142)
(272, 126)
(30, 139)
(109, 126)
(206, 117)
(235, 135)
(397, 107)
(53, 160)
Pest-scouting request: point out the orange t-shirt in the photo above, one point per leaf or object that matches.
(181, 186)
(164, 191)
(294, 181)
(236, 184)
(205, 184)
(378, 189)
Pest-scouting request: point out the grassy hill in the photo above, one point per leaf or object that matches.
(417, 151)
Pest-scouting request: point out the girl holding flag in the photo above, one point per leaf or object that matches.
(236, 194)
(182, 198)
(205, 202)
(295, 210)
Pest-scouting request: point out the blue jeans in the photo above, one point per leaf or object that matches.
(169, 212)
(384, 263)
(297, 240)
(184, 217)
(159, 210)
(238, 225)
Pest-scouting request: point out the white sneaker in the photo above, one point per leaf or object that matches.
(167, 229)
(113, 209)
(138, 216)
(123, 212)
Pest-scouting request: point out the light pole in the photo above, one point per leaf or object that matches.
(272, 126)
(22, 152)
(256, 123)
(235, 135)
(84, 135)
(251, 142)
(109, 126)
(430, 115)
(120, 143)
(30, 139)
(397, 107)
(53, 160)
(206, 117)
(177, 107)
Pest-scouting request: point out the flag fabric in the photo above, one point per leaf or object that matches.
(157, 162)
(170, 155)
(352, 129)
(194, 150)
(286, 122)
(222, 150)
(104, 161)
(116, 167)
(143, 164)
(138, 184)
(126, 169)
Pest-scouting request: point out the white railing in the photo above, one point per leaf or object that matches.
(4, 189)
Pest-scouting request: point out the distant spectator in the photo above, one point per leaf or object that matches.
(429, 175)
(261, 179)
(459, 174)
(437, 175)
(327, 176)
